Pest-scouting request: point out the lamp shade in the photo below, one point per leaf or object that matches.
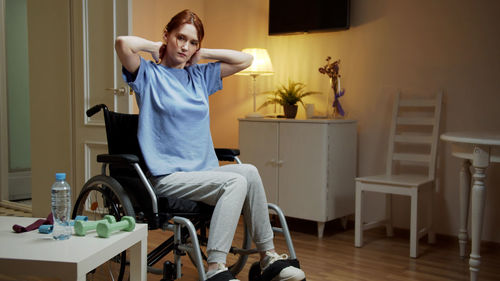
(261, 64)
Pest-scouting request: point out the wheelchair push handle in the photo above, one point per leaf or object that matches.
(94, 109)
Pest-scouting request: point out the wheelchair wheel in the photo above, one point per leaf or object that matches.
(100, 196)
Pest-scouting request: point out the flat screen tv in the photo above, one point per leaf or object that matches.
(300, 16)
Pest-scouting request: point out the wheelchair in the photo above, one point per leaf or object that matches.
(123, 189)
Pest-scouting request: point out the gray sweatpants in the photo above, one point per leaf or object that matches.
(233, 189)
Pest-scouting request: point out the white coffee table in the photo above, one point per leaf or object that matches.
(36, 254)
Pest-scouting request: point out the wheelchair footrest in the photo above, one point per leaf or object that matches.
(254, 273)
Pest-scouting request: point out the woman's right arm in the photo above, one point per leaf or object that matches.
(128, 48)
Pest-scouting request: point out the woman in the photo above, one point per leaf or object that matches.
(175, 139)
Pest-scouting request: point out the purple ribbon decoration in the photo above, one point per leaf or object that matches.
(336, 102)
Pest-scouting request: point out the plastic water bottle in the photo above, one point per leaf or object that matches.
(61, 208)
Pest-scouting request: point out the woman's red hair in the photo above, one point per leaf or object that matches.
(186, 16)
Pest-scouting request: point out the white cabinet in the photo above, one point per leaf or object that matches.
(307, 166)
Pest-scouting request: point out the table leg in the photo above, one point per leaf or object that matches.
(138, 253)
(480, 163)
(464, 195)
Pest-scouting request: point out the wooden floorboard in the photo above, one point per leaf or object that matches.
(334, 257)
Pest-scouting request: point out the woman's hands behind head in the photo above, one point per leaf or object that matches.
(128, 48)
(194, 58)
(159, 52)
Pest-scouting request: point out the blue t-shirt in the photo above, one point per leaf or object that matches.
(174, 122)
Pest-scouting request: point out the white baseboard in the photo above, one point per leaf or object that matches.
(20, 185)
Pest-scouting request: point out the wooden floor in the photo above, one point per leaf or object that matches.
(335, 258)
(9, 208)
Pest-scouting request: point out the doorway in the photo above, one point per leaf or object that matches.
(91, 26)
(15, 119)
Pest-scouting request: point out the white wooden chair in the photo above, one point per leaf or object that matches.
(413, 143)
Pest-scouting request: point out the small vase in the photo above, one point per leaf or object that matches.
(331, 108)
(290, 110)
(331, 111)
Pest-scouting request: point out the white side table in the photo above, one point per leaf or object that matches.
(481, 148)
(32, 253)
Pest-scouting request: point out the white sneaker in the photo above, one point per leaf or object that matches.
(287, 272)
(220, 274)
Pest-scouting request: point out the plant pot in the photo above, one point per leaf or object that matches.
(290, 110)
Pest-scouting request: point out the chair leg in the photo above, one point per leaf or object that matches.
(358, 223)
(414, 224)
(431, 235)
(388, 215)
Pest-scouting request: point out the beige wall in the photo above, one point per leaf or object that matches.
(416, 46)
(50, 97)
(392, 44)
(149, 17)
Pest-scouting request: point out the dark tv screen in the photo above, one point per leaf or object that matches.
(299, 16)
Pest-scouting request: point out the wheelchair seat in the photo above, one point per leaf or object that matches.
(127, 191)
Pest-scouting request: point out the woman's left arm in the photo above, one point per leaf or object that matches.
(231, 61)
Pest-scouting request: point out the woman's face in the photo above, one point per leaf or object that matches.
(182, 43)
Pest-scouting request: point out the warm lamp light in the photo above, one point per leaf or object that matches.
(261, 65)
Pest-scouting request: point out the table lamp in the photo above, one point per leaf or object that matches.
(261, 65)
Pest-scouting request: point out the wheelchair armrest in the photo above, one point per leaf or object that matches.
(226, 154)
(117, 158)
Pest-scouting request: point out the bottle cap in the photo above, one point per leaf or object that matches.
(60, 176)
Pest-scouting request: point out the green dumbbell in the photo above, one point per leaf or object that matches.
(104, 229)
(81, 227)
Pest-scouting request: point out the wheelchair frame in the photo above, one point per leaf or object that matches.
(182, 242)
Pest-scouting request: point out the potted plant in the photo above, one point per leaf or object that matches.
(288, 96)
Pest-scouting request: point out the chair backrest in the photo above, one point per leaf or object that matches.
(414, 134)
(121, 133)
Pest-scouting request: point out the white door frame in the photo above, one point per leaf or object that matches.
(4, 134)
